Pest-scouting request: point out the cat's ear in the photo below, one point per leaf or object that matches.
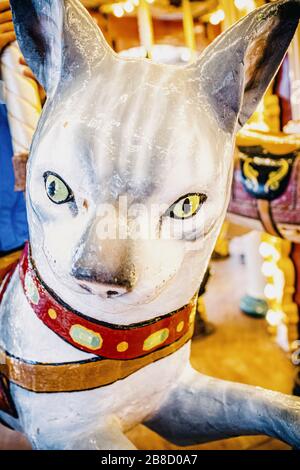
(234, 71)
(58, 38)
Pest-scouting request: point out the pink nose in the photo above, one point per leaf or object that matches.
(106, 291)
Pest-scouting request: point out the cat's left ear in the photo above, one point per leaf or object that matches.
(234, 72)
(59, 40)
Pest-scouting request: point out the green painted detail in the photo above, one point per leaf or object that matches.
(85, 337)
(157, 338)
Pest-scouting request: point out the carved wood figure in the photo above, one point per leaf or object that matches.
(127, 187)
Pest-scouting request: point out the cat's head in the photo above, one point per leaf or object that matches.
(130, 168)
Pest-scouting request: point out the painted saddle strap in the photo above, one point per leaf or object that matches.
(265, 215)
(266, 167)
(102, 339)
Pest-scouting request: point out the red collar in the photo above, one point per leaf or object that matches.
(99, 338)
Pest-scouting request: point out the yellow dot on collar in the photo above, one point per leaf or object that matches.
(180, 326)
(156, 339)
(52, 314)
(122, 347)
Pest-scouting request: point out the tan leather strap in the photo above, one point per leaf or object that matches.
(85, 375)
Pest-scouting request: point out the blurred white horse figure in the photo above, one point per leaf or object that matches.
(127, 187)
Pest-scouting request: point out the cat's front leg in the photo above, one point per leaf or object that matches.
(107, 435)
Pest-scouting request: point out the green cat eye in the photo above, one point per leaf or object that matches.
(187, 206)
(57, 190)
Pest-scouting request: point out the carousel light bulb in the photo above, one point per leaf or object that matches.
(128, 7)
(270, 292)
(247, 5)
(241, 4)
(150, 1)
(136, 2)
(117, 10)
(268, 269)
(217, 17)
(274, 317)
(186, 55)
(267, 250)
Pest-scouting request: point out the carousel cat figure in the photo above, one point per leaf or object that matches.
(96, 320)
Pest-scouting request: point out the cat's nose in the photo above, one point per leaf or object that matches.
(106, 291)
(104, 267)
(100, 282)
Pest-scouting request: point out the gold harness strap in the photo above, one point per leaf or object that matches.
(79, 376)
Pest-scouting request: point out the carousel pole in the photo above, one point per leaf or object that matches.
(23, 106)
(145, 27)
(294, 64)
(188, 27)
(231, 13)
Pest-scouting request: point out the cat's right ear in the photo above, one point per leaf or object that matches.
(236, 69)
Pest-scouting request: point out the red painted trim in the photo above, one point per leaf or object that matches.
(6, 279)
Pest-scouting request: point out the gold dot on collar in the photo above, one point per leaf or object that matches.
(122, 347)
(180, 326)
(52, 314)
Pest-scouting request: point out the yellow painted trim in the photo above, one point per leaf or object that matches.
(276, 143)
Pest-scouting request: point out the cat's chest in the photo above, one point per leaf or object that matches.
(23, 334)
